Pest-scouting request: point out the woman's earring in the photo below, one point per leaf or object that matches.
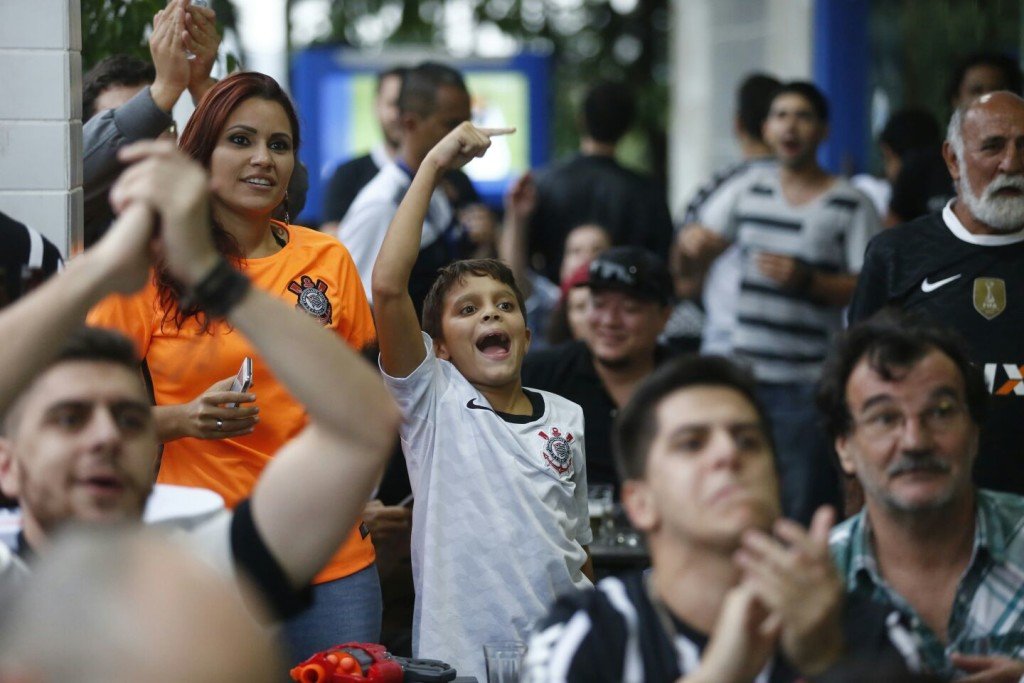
(287, 216)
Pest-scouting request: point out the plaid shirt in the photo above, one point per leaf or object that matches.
(988, 610)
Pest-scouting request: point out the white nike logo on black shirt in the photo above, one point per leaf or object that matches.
(932, 286)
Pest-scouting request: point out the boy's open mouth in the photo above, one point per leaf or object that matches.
(494, 344)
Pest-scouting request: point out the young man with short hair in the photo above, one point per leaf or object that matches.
(732, 583)
(802, 232)
(500, 523)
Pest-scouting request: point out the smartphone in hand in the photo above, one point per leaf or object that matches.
(243, 380)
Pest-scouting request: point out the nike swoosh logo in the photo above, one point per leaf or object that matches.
(473, 404)
(932, 286)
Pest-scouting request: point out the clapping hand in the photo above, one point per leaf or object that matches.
(178, 189)
(744, 639)
(988, 669)
(167, 48)
(792, 573)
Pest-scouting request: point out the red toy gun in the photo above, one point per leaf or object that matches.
(365, 662)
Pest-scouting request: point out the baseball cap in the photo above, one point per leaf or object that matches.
(633, 270)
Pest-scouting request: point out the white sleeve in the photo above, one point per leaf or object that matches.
(417, 396)
(584, 534)
(716, 211)
(863, 227)
(210, 540)
(362, 232)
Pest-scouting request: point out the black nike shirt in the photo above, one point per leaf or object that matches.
(975, 284)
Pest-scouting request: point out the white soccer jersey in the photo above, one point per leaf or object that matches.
(500, 516)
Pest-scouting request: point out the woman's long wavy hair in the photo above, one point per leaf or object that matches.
(198, 140)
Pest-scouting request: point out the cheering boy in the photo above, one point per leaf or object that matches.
(500, 524)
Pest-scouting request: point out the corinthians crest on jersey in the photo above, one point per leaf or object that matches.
(558, 450)
(312, 298)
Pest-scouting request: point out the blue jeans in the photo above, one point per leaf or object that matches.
(345, 610)
(808, 477)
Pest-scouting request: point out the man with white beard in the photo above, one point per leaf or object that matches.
(964, 267)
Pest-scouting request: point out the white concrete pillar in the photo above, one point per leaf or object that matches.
(40, 117)
(263, 29)
(715, 43)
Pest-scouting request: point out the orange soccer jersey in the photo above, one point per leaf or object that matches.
(314, 272)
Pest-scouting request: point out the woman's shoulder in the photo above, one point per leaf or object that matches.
(303, 237)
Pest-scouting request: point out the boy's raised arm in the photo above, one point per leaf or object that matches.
(398, 330)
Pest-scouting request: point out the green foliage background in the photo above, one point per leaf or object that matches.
(121, 26)
(588, 40)
(916, 44)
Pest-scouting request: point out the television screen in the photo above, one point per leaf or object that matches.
(334, 91)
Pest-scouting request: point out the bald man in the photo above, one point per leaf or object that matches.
(964, 267)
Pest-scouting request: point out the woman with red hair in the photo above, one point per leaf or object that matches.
(246, 133)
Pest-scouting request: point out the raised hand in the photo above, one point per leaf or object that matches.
(462, 145)
(167, 49)
(521, 198)
(202, 40)
(178, 189)
(127, 248)
(793, 575)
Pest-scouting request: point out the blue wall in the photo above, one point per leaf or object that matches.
(840, 64)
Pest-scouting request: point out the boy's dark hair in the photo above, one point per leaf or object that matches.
(1010, 69)
(608, 111)
(810, 92)
(90, 344)
(637, 423)
(753, 100)
(456, 273)
(398, 71)
(909, 129)
(892, 341)
(112, 71)
(421, 83)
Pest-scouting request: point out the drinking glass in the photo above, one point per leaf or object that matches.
(504, 661)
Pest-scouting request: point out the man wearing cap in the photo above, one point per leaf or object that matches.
(631, 300)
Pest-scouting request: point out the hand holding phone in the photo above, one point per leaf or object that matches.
(243, 380)
(224, 410)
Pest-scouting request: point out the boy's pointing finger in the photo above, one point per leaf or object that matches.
(494, 132)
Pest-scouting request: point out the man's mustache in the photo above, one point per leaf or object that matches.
(1004, 182)
(917, 463)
